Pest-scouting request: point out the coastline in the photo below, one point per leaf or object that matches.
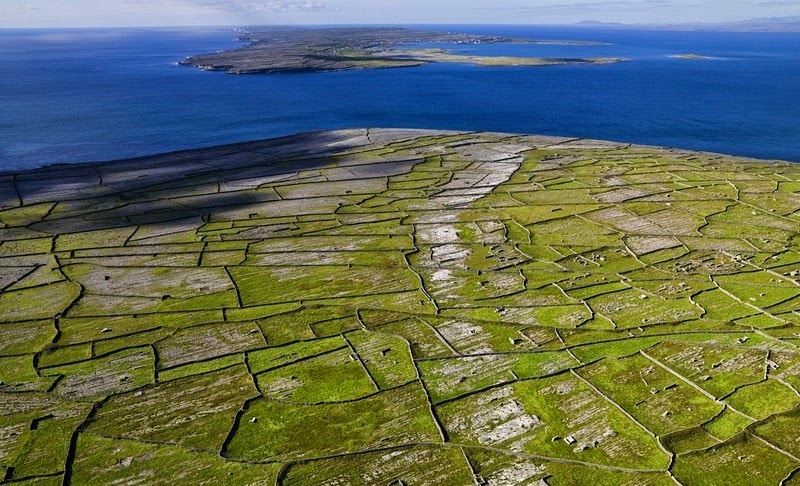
(192, 153)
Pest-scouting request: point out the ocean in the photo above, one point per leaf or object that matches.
(77, 95)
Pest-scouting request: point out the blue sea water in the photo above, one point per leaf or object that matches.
(91, 95)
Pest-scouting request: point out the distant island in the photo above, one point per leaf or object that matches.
(765, 24)
(692, 57)
(296, 49)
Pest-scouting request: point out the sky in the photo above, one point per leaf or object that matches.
(125, 13)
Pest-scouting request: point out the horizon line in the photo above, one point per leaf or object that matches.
(581, 23)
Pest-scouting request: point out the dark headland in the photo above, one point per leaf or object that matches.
(295, 49)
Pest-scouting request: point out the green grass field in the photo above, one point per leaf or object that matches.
(402, 307)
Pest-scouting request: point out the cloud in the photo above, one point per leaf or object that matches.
(307, 6)
(777, 3)
(18, 9)
(259, 7)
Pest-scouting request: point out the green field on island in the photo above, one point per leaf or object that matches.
(402, 307)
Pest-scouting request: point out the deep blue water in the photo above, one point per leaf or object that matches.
(84, 95)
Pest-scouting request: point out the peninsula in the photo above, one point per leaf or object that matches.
(294, 49)
(414, 307)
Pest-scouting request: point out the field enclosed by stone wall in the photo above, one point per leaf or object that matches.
(402, 307)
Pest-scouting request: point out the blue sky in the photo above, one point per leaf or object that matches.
(86, 13)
